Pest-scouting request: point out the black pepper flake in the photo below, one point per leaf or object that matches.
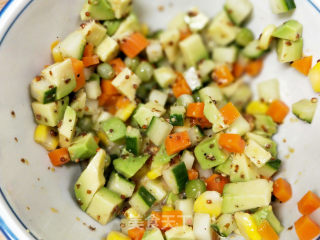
(63, 159)
(68, 80)
(288, 43)
(209, 201)
(92, 228)
(123, 196)
(78, 186)
(50, 72)
(38, 117)
(51, 86)
(16, 139)
(13, 114)
(127, 76)
(89, 191)
(110, 130)
(192, 14)
(82, 25)
(53, 133)
(23, 160)
(87, 14)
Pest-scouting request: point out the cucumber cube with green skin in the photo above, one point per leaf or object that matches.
(128, 167)
(171, 199)
(214, 116)
(73, 45)
(165, 76)
(225, 225)
(153, 234)
(112, 26)
(225, 54)
(289, 51)
(156, 188)
(270, 168)
(97, 10)
(211, 92)
(264, 123)
(142, 200)
(161, 158)
(158, 96)
(169, 41)
(177, 114)
(42, 90)
(195, 135)
(107, 49)
(205, 68)
(253, 50)
(105, 206)
(90, 180)
(209, 154)
(146, 112)
(266, 213)
(282, 6)
(68, 127)
(193, 50)
(225, 167)
(115, 129)
(238, 10)
(184, 100)
(267, 143)
(244, 37)
(128, 26)
(94, 33)
(120, 185)
(62, 76)
(120, 7)
(290, 30)
(83, 147)
(239, 126)
(51, 113)
(176, 177)
(156, 136)
(243, 196)
(79, 102)
(133, 140)
(305, 109)
(242, 169)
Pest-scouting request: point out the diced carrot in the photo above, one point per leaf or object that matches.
(222, 76)
(185, 34)
(216, 183)
(253, 68)
(78, 69)
(303, 65)
(110, 104)
(176, 142)
(282, 190)
(118, 65)
(122, 102)
(107, 90)
(155, 219)
(278, 110)
(230, 113)
(195, 110)
(171, 219)
(193, 174)
(90, 61)
(88, 50)
(59, 156)
(180, 87)
(309, 203)
(201, 122)
(306, 229)
(133, 45)
(267, 232)
(232, 142)
(136, 233)
(238, 69)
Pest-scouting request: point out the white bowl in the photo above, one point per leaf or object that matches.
(36, 203)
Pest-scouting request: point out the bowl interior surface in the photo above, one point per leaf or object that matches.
(42, 198)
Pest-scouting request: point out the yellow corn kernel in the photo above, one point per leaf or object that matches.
(131, 213)
(45, 138)
(167, 209)
(144, 29)
(117, 236)
(103, 138)
(314, 76)
(257, 107)
(209, 202)
(55, 51)
(155, 173)
(247, 226)
(125, 113)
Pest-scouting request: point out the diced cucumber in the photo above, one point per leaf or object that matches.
(98, 10)
(154, 51)
(176, 177)
(129, 166)
(238, 11)
(153, 234)
(177, 114)
(42, 90)
(146, 112)
(164, 76)
(205, 68)
(282, 6)
(156, 188)
(239, 126)
(180, 233)
(290, 30)
(242, 96)
(156, 136)
(225, 54)
(107, 49)
(305, 109)
(244, 37)
(93, 89)
(225, 167)
(142, 200)
(158, 96)
(268, 144)
(269, 90)
(195, 135)
(289, 51)
(128, 26)
(79, 103)
(242, 169)
(225, 225)
(266, 213)
(264, 123)
(169, 40)
(94, 33)
(133, 140)
(246, 195)
(214, 116)
(73, 45)
(186, 207)
(201, 226)
(184, 100)
(83, 147)
(112, 26)
(171, 199)
(67, 128)
(120, 7)
(120, 185)
(253, 50)
(161, 158)
(196, 20)
(211, 93)
(178, 22)
(188, 159)
(266, 37)
(115, 129)
(257, 154)
(270, 168)
(92, 107)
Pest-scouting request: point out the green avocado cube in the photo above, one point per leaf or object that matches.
(115, 129)
(128, 167)
(83, 148)
(290, 30)
(97, 10)
(289, 51)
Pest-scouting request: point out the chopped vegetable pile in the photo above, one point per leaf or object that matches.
(164, 126)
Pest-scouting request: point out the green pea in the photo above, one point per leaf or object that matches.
(105, 71)
(194, 188)
(144, 71)
(132, 63)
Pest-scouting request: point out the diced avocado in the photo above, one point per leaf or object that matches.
(266, 213)
(153, 130)
(270, 168)
(129, 166)
(257, 154)
(242, 96)
(209, 154)
(79, 103)
(50, 114)
(67, 128)
(104, 206)
(238, 10)
(83, 147)
(305, 109)
(246, 195)
(73, 45)
(120, 185)
(244, 37)
(265, 124)
(169, 40)
(225, 225)
(97, 10)
(290, 30)
(154, 51)
(62, 76)
(165, 76)
(107, 49)
(127, 83)
(180, 233)
(225, 54)
(142, 200)
(214, 116)
(128, 26)
(211, 93)
(252, 50)
(146, 112)
(90, 180)
(225, 167)
(94, 33)
(156, 188)
(120, 7)
(193, 50)
(196, 20)
(133, 140)
(153, 234)
(42, 90)
(221, 30)
(289, 51)
(242, 169)
(112, 26)
(266, 143)
(115, 129)
(161, 158)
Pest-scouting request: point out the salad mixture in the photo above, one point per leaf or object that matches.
(164, 126)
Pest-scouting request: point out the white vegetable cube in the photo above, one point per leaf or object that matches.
(257, 154)
(192, 78)
(158, 130)
(196, 20)
(127, 83)
(188, 159)
(146, 112)
(73, 45)
(93, 89)
(154, 51)
(92, 107)
(269, 90)
(120, 7)
(94, 32)
(202, 226)
(186, 207)
(158, 97)
(165, 76)
(107, 49)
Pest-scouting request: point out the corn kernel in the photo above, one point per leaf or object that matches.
(144, 29)
(155, 173)
(117, 236)
(167, 209)
(126, 112)
(131, 213)
(43, 135)
(247, 226)
(257, 107)
(56, 53)
(314, 76)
